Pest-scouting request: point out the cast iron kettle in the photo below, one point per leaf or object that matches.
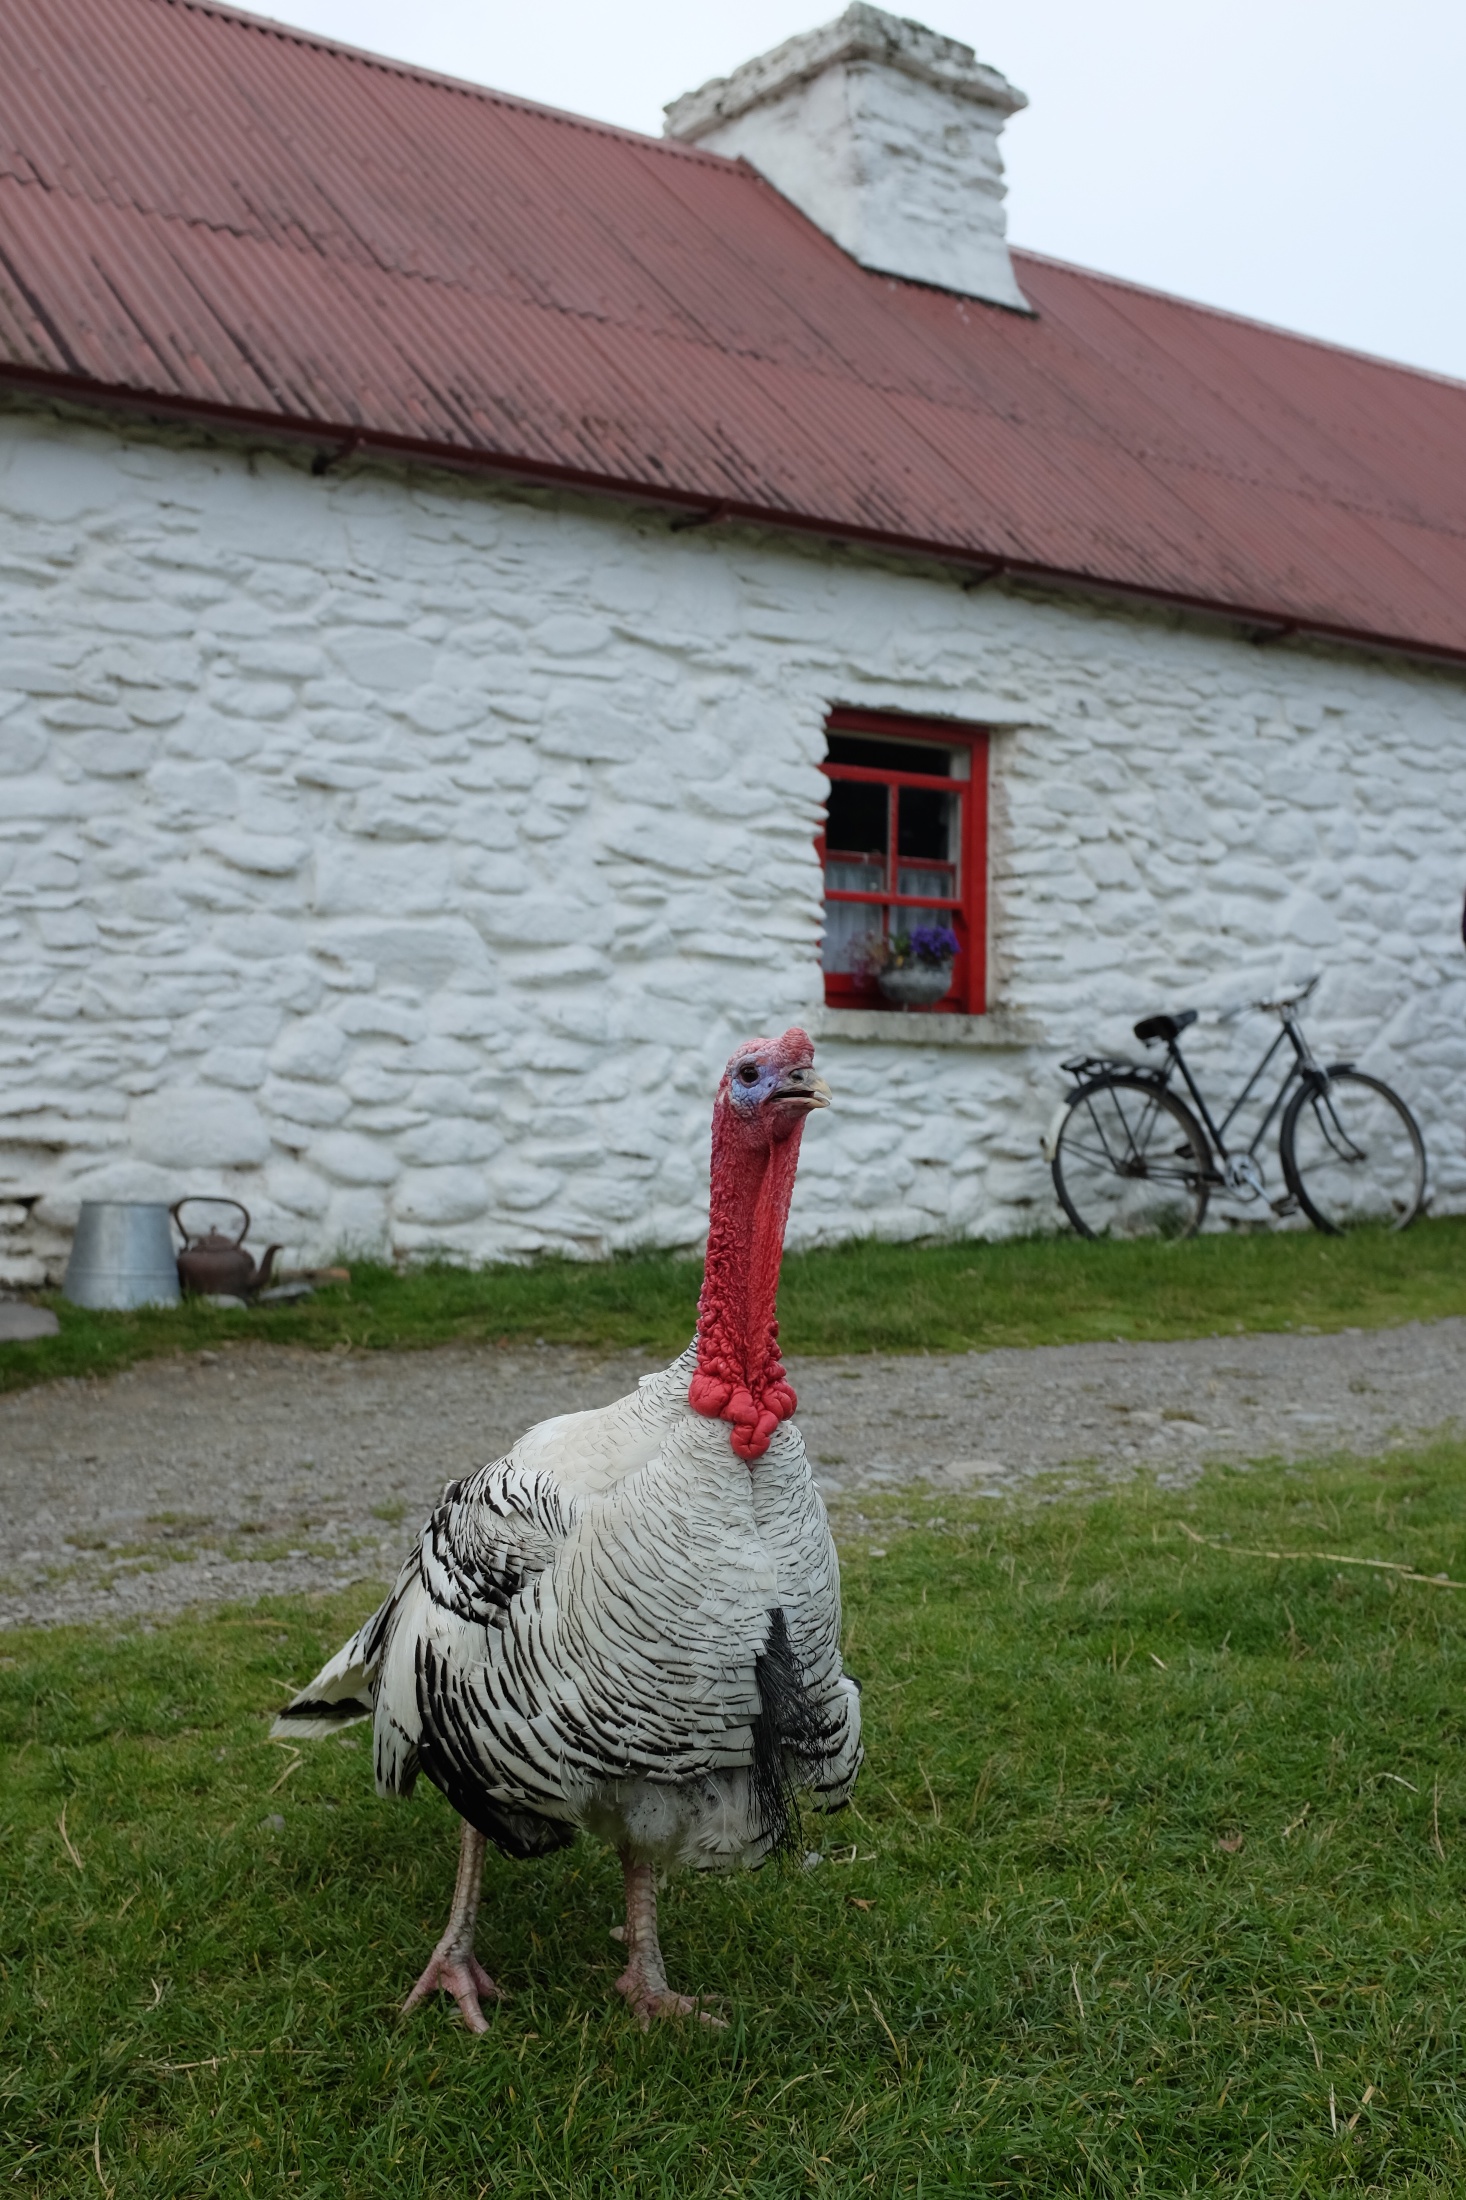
(215, 1266)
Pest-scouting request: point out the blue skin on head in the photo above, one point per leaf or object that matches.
(748, 1094)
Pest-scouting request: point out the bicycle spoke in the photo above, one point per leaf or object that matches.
(1353, 1154)
(1332, 1131)
(1178, 1167)
(1127, 1162)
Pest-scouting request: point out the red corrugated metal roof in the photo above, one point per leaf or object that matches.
(206, 212)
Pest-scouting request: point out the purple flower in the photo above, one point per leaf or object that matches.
(933, 943)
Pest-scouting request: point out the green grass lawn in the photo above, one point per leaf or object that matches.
(1154, 1886)
(862, 1297)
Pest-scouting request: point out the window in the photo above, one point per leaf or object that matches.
(905, 843)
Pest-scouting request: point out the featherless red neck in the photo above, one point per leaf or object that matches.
(768, 1089)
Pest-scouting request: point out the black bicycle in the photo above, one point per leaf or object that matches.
(1132, 1159)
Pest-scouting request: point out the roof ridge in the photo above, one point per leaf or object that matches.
(1243, 320)
(391, 65)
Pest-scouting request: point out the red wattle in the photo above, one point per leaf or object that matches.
(740, 1377)
(705, 1394)
(751, 1444)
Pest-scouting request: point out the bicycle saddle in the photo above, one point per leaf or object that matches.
(1168, 1028)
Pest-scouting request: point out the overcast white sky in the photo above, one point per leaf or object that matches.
(1301, 160)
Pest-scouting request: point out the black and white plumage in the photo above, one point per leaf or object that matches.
(622, 1627)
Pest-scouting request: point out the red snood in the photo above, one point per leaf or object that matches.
(740, 1377)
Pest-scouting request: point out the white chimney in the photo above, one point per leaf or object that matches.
(886, 135)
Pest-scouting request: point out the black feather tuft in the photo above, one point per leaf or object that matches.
(787, 1726)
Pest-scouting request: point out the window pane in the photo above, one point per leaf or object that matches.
(857, 818)
(888, 756)
(907, 920)
(854, 878)
(848, 925)
(928, 825)
(925, 880)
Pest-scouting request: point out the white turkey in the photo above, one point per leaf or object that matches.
(630, 1625)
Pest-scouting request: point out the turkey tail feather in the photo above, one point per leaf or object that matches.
(314, 1721)
(340, 1695)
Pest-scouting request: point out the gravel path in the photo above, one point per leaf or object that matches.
(263, 1469)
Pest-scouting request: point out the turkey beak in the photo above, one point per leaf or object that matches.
(804, 1085)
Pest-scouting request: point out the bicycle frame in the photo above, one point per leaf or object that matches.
(1304, 1065)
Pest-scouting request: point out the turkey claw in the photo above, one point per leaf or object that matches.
(465, 1978)
(646, 2002)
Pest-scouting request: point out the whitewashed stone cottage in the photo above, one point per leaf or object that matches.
(451, 552)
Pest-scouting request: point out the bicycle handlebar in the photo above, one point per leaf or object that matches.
(1273, 1008)
(1290, 1000)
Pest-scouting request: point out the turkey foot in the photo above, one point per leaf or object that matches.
(462, 1976)
(644, 1980)
(453, 1966)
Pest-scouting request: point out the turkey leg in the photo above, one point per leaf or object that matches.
(453, 1966)
(644, 1980)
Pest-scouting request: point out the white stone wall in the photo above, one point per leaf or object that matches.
(405, 856)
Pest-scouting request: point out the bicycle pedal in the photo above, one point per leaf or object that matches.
(1288, 1205)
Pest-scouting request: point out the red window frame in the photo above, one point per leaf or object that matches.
(967, 910)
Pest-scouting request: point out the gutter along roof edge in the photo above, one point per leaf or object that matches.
(337, 441)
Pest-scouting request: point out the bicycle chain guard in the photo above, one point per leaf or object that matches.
(1241, 1175)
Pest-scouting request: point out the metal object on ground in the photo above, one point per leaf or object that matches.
(215, 1266)
(122, 1255)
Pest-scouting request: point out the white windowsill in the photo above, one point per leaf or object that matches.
(1001, 1027)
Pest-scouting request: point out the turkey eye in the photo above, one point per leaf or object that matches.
(748, 1073)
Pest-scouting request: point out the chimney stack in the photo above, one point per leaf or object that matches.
(886, 135)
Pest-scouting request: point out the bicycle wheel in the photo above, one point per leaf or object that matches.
(1352, 1154)
(1131, 1161)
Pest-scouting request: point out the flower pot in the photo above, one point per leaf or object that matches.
(919, 985)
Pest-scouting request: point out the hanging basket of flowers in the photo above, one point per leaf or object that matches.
(913, 969)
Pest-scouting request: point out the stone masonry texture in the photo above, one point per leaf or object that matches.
(404, 855)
